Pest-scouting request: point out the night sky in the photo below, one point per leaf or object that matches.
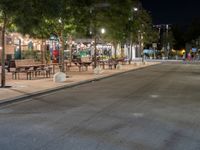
(172, 11)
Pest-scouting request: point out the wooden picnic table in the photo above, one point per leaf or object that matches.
(29, 69)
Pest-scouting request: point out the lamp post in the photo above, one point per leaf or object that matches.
(61, 45)
(92, 11)
(133, 10)
(95, 51)
(95, 44)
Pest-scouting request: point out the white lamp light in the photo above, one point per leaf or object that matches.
(135, 9)
(103, 30)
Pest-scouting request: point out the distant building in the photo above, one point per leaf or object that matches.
(15, 42)
(163, 30)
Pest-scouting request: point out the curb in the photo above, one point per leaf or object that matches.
(29, 96)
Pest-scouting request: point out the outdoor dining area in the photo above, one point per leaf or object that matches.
(29, 69)
(28, 63)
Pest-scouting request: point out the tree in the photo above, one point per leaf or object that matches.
(143, 33)
(193, 31)
(24, 16)
(35, 22)
(118, 17)
(192, 35)
(62, 24)
(45, 19)
(8, 10)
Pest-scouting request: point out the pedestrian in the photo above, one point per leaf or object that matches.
(189, 56)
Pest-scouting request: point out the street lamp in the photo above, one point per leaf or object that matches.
(102, 31)
(133, 10)
(92, 11)
(167, 44)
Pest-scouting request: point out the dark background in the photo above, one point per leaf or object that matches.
(172, 11)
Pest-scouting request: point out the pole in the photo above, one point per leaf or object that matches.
(167, 43)
(70, 49)
(95, 43)
(95, 51)
(131, 49)
(130, 40)
(42, 51)
(139, 43)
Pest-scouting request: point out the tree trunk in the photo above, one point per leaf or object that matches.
(122, 51)
(3, 75)
(131, 50)
(95, 52)
(42, 51)
(115, 47)
(139, 44)
(70, 48)
(45, 53)
(61, 53)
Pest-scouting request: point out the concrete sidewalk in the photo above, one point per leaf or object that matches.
(26, 88)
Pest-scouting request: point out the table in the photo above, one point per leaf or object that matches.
(28, 69)
(86, 64)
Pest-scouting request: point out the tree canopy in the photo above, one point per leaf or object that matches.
(41, 18)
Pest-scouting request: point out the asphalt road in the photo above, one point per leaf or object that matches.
(156, 108)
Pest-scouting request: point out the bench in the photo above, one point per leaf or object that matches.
(17, 70)
(30, 67)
